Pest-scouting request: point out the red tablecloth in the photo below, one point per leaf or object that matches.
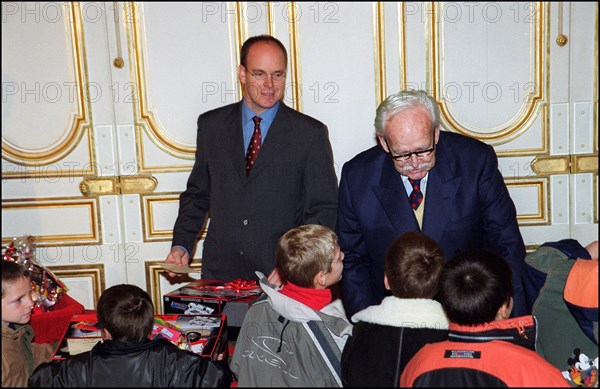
(50, 326)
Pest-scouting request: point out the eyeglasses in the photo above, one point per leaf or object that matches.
(261, 76)
(406, 156)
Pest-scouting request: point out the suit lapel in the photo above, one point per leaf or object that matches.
(442, 189)
(232, 140)
(394, 202)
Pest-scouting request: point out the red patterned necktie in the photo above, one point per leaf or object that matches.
(254, 146)
(416, 196)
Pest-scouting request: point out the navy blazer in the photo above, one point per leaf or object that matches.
(467, 206)
(293, 182)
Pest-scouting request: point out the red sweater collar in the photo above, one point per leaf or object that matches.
(313, 298)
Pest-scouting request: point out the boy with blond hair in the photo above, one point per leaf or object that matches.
(295, 336)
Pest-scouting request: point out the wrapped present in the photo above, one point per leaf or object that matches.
(47, 288)
(204, 297)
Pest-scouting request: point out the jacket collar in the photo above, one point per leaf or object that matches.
(413, 313)
(116, 347)
(332, 315)
(521, 331)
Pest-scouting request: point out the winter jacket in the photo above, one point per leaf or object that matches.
(560, 331)
(149, 363)
(284, 343)
(20, 356)
(499, 353)
(386, 336)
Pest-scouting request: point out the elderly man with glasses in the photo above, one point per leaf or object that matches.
(444, 184)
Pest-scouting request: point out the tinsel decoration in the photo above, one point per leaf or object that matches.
(47, 289)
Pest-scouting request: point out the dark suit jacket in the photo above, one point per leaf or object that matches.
(293, 182)
(467, 206)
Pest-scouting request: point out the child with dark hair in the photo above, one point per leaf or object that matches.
(485, 347)
(386, 336)
(19, 355)
(295, 336)
(126, 357)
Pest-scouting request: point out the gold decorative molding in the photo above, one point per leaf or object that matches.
(561, 39)
(80, 118)
(103, 186)
(152, 234)
(93, 237)
(379, 45)
(142, 113)
(402, 43)
(541, 217)
(95, 272)
(293, 27)
(534, 104)
(270, 19)
(153, 273)
(566, 164)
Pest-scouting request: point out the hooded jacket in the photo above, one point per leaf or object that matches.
(149, 363)
(386, 336)
(284, 343)
(495, 354)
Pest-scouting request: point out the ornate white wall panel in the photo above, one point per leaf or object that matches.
(97, 90)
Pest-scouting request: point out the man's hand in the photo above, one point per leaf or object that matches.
(179, 257)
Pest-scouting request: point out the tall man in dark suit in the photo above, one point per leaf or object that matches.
(252, 202)
(457, 197)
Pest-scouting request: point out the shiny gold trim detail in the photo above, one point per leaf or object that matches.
(45, 240)
(152, 234)
(119, 62)
(95, 272)
(142, 113)
(551, 165)
(561, 39)
(545, 141)
(584, 164)
(91, 187)
(270, 19)
(240, 28)
(294, 54)
(138, 184)
(80, 118)
(539, 217)
(568, 164)
(379, 43)
(402, 43)
(535, 101)
(153, 273)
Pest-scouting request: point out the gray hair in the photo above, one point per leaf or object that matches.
(401, 101)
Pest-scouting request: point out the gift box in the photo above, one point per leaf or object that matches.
(213, 297)
(205, 335)
(51, 325)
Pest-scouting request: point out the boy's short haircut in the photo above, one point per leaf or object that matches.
(304, 251)
(126, 311)
(474, 285)
(12, 271)
(413, 264)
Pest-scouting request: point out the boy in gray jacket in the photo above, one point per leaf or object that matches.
(295, 336)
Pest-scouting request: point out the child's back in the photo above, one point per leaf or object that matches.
(386, 336)
(126, 357)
